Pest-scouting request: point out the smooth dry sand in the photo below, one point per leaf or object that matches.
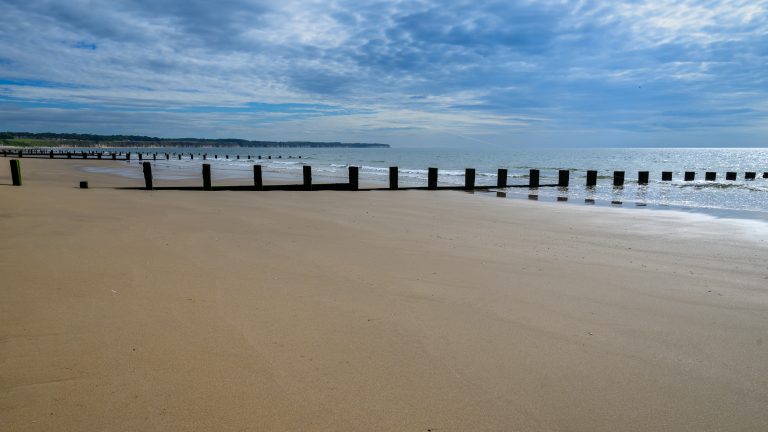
(159, 311)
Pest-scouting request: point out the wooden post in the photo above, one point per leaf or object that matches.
(114, 156)
(307, 177)
(167, 156)
(258, 183)
(393, 178)
(432, 178)
(533, 178)
(147, 175)
(591, 178)
(50, 155)
(469, 178)
(127, 155)
(765, 174)
(98, 155)
(141, 157)
(642, 177)
(690, 175)
(206, 177)
(16, 172)
(618, 178)
(353, 178)
(21, 154)
(710, 176)
(83, 185)
(730, 175)
(69, 155)
(749, 175)
(564, 178)
(179, 156)
(666, 176)
(501, 178)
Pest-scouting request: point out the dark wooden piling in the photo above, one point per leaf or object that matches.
(690, 176)
(167, 156)
(730, 176)
(69, 155)
(191, 156)
(114, 156)
(765, 174)
(642, 177)
(179, 156)
(258, 182)
(563, 178)
(154, 156)
(307, 177)
(432, 178)
(98, 156)
(83, 185)
(710, 176)
(393, 180)
(501, 178)
(749, 175)
(533, 178)
(206, 177)
(50, 155)
(469, 178)
(127, 156)
(21, 154)
(666, 176)
(16, 172)
(618, 178)
(147, 168)
(141, 157)
(591, 178)
(353, 178)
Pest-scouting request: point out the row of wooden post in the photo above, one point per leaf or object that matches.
(469, 177)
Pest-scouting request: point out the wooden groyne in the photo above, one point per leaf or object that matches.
(353, 183)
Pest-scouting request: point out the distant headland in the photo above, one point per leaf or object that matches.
(48, 139)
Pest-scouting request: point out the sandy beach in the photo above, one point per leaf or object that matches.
(129, 310)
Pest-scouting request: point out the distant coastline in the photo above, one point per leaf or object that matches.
(49, 139)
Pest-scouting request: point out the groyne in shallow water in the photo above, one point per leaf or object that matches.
(331, 166)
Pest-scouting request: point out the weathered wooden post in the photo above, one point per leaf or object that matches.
(432, 178)
(469, 178)
(50, 154)
(69, 155)
(730, 176)
(206, 177)
(127, 155)
(83, 185)
(16, 172)
(147, 175)
(154, 157)
(618, 178)
(258, 183)
(307, 177)
(501, 178)
(191, 156)
(749, 175)
(666, 176)
(167, 156)
(642, 177)
(141, 157)
(21, 154)
(533, 178)
(563, 178)
(205, 156)
(765, 174)
(710, 176)
(179, 156)
(353, 178)
(689, 175)
(591, 178)
(114, 156)
(98, 155)
(393, 178)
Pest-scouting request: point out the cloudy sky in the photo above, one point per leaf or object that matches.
(408, 73)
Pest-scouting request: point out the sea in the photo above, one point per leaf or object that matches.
(722, 198)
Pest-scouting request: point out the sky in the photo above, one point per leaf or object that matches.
(666, 73)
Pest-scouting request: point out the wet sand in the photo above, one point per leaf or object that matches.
(408, 310)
